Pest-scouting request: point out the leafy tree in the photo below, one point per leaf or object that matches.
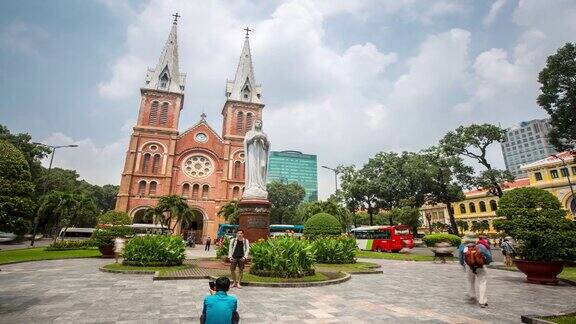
(447, 177)
(358, 191)
(33, 153)
(536, 219)
(16, 190)
(285, 198)
(473, 141)
(171, 209)
(558, 96)
(307, 210)
(65, 209)
(439, 227)
(230, 212)
(113, 217)
(463, 225)
(407, 216)
(480, 226)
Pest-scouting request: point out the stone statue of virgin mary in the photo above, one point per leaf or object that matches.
(256, 148)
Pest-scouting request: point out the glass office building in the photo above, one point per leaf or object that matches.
(525, 143)
(294, 166)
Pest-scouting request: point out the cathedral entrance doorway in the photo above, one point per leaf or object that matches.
(139, 217)
(194, 226)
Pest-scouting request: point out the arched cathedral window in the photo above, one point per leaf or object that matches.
(145, 162)
(239, 121)
(153, 119)
(155, 163)
(195, 189)
(141, 187)
(185, 190)
(164, 114)
(152, 188)
(205, 189)
(248, 121)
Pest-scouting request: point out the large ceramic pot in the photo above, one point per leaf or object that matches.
(540, 272)
(107, 251)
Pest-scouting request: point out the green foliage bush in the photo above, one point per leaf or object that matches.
(322, 224)
(113, 217)
(535, 218)
(154, 250)
(335, 249)
(105, 236)
(286, 257)
(70, 245)
(431, 239)
(222, 250)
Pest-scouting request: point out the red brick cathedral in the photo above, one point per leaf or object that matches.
(199, 164)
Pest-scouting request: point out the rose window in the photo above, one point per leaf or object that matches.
(198, 166)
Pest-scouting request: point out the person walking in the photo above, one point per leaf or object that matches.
(219, 307)
(474, 257)
(118, 247)
(237, 254)
(508, 251)
(208, 242)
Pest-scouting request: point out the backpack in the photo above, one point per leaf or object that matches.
(474, 258)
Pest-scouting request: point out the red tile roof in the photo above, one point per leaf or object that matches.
(518, 183)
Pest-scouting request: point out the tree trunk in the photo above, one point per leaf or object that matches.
(453, 226)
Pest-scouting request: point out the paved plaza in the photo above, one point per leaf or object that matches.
(74, 291)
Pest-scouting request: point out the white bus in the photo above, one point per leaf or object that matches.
(144, 229)
(75, 233)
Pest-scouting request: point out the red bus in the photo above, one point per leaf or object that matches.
(383, 238)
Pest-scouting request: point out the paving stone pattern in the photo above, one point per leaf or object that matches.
(74, 291)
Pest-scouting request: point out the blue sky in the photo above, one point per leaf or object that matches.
(341, 79)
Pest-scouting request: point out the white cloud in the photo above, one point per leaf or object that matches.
(21, 38)
(96, 164)
(495, 10)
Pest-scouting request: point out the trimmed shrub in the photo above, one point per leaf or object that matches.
(286, 257)
(106, 236)
(154, 250)
(535, 218)
(322, 224)
(431, 239)
(70, 245)
(113, 217)
(335, 249)
(222, 250)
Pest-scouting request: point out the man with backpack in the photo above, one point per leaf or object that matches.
(508, 251)
(474, 257)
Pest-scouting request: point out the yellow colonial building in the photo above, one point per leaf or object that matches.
(554, 174)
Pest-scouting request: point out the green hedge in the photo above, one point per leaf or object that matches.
(335, 250)
(286, 257)
(105, 236)
(71, 245)
(431, 239)
(222, 250)
(155, 250)
(322, 224)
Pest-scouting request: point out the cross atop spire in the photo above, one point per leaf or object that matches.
(248, 30)
(166, 76)
(176, 16)
(244, 87)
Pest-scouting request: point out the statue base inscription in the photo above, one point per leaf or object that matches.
(254, 218)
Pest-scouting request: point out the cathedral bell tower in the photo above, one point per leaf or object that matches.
(150, 156)
(243, 106)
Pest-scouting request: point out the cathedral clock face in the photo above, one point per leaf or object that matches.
(201, 137)
(198, 166)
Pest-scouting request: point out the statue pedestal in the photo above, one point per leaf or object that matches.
(254, 218)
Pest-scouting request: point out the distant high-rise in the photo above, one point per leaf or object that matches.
(294, 166)
(525, 143)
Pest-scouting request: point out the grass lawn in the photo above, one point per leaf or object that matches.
(248, 277)
(36, 254)
(163, 270)
(568, 273)
(351, 268)
(394, 256)
(562, 319)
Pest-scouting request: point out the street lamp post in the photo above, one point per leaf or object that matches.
(573, 153)
(44, 186)
(335, 176)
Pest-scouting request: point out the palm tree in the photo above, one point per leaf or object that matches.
(230, 212)
(171, 208)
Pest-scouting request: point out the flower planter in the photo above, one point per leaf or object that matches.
(540, 272)
(107, 251)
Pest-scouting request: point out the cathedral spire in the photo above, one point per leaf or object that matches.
(166, 76)
(244, 87)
